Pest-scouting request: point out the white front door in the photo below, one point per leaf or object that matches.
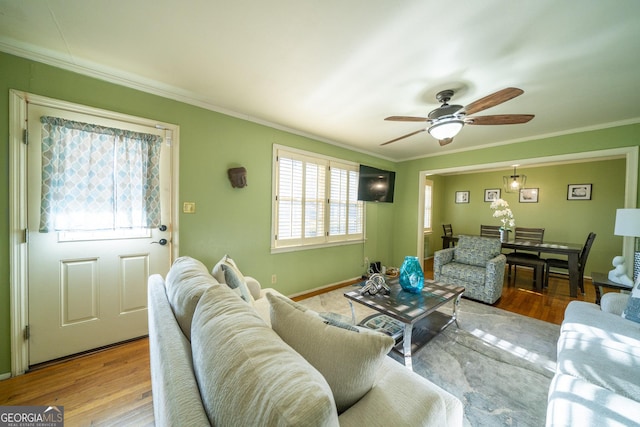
(89, 289)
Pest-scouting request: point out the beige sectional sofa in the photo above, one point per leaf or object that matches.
(597, 380)
(251, 356)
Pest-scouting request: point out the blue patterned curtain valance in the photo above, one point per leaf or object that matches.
(98, 178)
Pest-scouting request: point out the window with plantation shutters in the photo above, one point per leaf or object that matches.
(345, 211)
(315, 200)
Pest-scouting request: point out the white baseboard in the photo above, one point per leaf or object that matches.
(320, 288)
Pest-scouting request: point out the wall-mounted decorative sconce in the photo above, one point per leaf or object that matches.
(238, 177)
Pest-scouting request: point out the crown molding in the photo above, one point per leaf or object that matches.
(152, 87)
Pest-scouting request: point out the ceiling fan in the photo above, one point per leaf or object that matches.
(447, 120)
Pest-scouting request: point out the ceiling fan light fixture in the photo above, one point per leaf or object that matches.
(446, 128)
(447, 120)
(514, 183)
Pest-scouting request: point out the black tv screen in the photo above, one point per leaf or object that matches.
(376, 185)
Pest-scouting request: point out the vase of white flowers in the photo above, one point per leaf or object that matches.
(503, 213)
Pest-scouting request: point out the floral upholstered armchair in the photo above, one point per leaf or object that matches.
(475, 263)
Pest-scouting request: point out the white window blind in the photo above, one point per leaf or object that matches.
(315, 200)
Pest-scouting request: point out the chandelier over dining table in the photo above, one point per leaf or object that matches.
(514, 183)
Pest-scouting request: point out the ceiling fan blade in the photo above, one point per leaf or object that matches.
(406, 119)
(492, 100)
(445, 141)
(403, 136)
(499, 119)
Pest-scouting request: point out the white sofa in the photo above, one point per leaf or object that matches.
(216, 360)
(597, 380)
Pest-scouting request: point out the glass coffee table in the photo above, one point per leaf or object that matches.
(416, 312)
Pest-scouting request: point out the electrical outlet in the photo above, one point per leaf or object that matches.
(366, 262)
(274, 279)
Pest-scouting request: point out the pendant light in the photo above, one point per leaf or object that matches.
(515, 182)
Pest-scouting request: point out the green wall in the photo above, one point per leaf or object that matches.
(552, 181)
(563, 220)
(238, 221)
(227, 220)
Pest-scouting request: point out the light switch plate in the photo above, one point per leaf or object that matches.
(189, 207)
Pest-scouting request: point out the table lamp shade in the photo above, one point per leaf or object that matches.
(627, 222)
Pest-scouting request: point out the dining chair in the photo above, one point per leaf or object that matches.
(490, 231)
(526, 258)
(564, 264)
(447, 238)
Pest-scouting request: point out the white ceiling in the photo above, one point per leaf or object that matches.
(334, 69)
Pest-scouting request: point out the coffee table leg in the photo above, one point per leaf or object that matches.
(353, 313)
(406, 345)
(456, 303)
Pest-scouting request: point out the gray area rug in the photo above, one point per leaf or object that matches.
(499, 364)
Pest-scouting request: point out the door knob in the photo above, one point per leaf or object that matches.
(162, 228)
(161, 242)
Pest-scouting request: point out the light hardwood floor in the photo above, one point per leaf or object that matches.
(112, 387)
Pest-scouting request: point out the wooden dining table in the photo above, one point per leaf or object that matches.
(571, 250)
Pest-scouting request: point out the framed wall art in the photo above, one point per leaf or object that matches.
(579, 192)
(491, 194)
(528, 195)
(462, 197)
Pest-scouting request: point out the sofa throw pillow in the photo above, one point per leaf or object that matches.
(247, 375)
(337, 320)
(235, 280)
(185, 283)
(632, 311)
(348, 360)
(217, 271)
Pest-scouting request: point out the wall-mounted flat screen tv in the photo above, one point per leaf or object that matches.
(376, 185)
